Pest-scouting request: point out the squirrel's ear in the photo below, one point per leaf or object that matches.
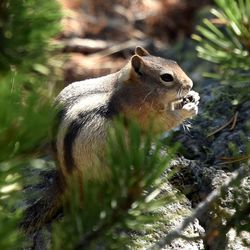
(136, 63)
(141, 51)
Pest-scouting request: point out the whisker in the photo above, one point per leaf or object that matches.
(182, 90)
(150, 92)
(144, 99)
(188, 122)
(179, 93)
(186, 126)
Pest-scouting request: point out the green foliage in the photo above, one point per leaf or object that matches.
(10, 237)
(225, 40)
(25, 30)
(105, 212)
(25, 99)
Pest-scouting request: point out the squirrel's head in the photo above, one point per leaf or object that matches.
(161, 78)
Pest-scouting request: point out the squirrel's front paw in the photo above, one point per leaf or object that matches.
(191, 108)
(191, 97)
(190, 103)
(188, 106)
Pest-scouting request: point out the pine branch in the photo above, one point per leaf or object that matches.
(136, 164)
(225, 42)
(117, 217)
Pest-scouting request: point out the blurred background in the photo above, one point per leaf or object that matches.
(96, 32)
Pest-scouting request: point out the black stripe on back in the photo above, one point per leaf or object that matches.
(61, 111)
(106, 111)
(73, 130)
(72, 101)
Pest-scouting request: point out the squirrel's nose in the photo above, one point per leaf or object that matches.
(187, 84)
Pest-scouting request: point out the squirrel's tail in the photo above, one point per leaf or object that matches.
(45, 209)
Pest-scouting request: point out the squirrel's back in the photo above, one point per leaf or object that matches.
(85, 110)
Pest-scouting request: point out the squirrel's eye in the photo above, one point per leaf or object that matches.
(167, 77)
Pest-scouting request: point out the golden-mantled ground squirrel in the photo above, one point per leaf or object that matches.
(146, 89)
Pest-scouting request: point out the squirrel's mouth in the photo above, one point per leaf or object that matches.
(178, 103)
